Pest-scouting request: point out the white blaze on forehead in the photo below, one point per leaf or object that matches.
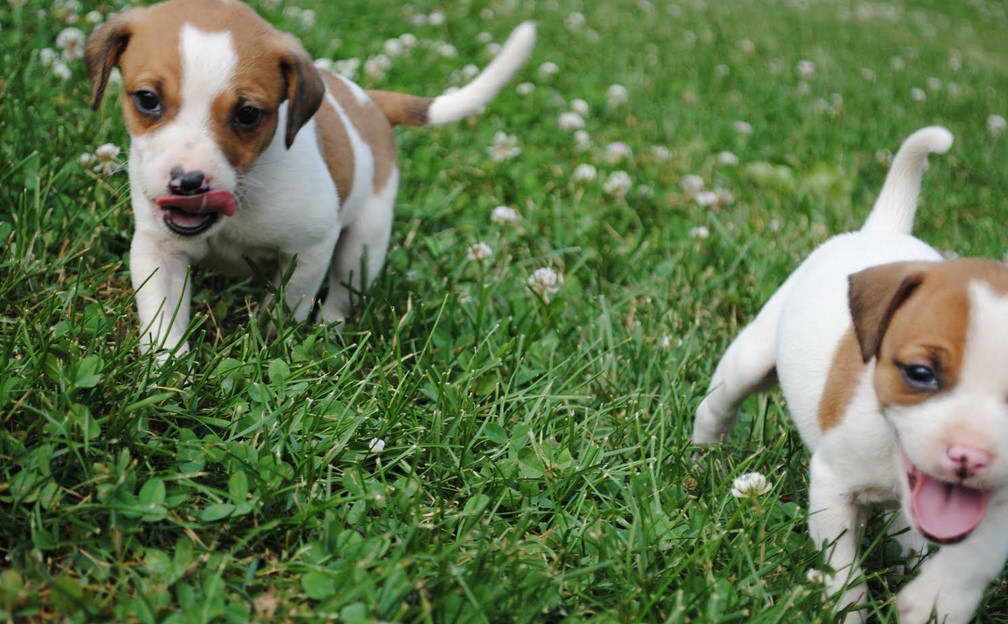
(983, 367)
(208, 64)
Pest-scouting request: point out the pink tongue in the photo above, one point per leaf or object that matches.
(946, 512)
(211, 201)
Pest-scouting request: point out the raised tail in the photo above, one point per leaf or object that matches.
(896, 205)
(411, 110)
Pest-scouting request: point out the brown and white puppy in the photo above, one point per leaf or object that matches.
(244, 154)
(892, 364)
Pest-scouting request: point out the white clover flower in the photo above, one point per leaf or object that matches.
(692, 184)
(918, 94)
(504, 215)
(94, 17)
(742, 127)
(699, 231)
(347, 67)
(660, 152)
(487, 13)
(418, 19)
(48, 56)
(897, 63)
(376, 446)
(570, 121)
(617, 95)
(750, 485)
(436, 18)
(545, 281)
(493, 48)
(582, 140)
(721, 70)
(724, 197)
(995, 125)
(408, 40)
(325, 64)
(775, 225)
(107, 152)
(504, 147)
(105, 157)
(666, 341)
(86, 158)
(525, 88)
(727, 159)
(376, 66)
(868, 74)
(548, 69)
(883, 157)
(617, 184)
(71, 41)
(579, 106)
(747, 46)
(934, 84)
(446, 50)
(617, 151)
(955, 61)
(574, 21)
(470, 71)
(584, 173)
(816, 577)
(705, 198)
(803, 88)
(484, 37)
(61, 70)
(478, 251)
(806, 69)
(393, 47)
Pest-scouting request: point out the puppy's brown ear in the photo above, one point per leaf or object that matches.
(875, 294)
(102, 52)
(303, 86)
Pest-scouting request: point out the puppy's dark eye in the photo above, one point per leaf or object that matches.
(247, 117)
(920, 377)
(147, 103)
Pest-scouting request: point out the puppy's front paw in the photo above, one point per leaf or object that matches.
(920, 599)
(707, 425)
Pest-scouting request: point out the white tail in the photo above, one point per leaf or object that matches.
(470, 99)
(896, 205)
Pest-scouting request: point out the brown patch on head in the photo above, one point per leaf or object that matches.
(844, 375)
(917, 313)
(372, 125)
(272, 68)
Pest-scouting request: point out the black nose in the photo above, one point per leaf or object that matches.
(187, 182)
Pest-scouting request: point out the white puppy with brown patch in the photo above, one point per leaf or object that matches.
(243, 153)
(892, 364)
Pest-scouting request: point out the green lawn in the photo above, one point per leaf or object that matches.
(536, 463)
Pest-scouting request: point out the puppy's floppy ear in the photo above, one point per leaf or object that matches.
(102, 52)
(303, 87)
(875, 294)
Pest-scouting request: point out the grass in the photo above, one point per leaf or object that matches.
(536, 463)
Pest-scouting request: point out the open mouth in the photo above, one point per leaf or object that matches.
(944, 512)
(189, 215)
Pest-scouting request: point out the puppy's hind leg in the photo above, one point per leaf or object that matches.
(745, 368)
(361, 248)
